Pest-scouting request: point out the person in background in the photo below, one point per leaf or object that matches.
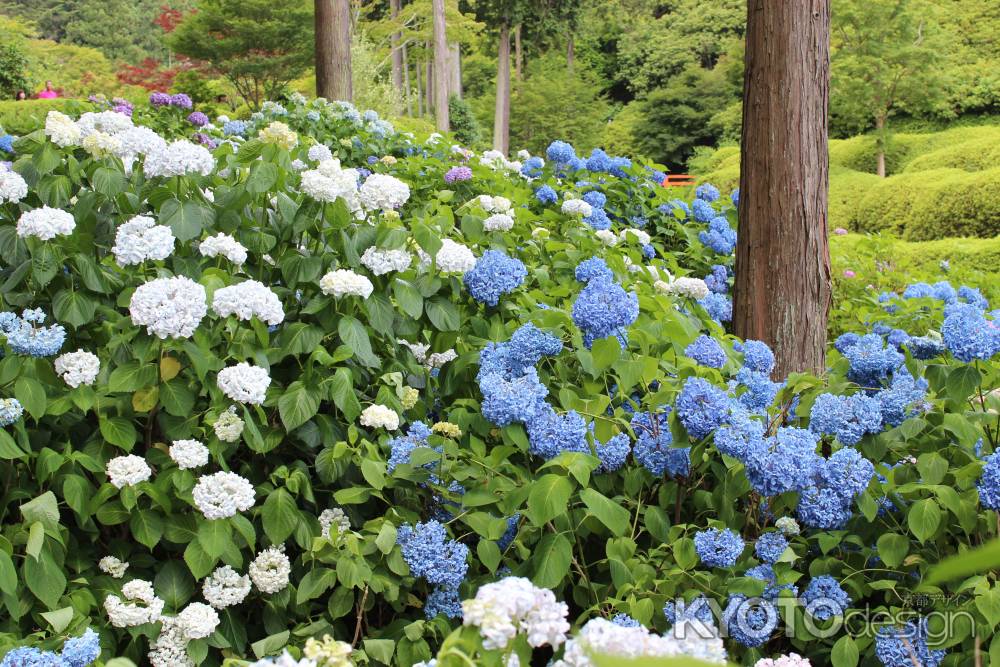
(20, 95)
(49, 93)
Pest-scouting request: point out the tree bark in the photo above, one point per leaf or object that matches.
(442, 74)
(342, 87)
(570, 54)
(397, 52)
(428, 82)
(783, 290)
(420, 94)
(407, 93)
(880, 140)
(518, 55)
(323, 17)
(455, 70)
(501, 116)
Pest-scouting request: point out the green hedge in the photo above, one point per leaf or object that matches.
(959, 203)
(973, 155)
(27, 116)
(859, 153)
(846, 188)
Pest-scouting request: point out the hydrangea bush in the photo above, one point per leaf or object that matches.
(304, 390)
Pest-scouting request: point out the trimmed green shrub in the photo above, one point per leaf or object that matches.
(847, 186)
(973, 155)
(956, 204)
(28, 115)
(888, 205)
(463, 121)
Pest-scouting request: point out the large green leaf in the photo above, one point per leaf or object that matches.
(280, 515)
(297, 405)
(548, 498)
(607, 511)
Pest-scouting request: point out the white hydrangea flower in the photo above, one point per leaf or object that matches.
(140, 239)
(577, 207)
(137, 605)
(188, 454)
(128, 470)
(523, 155)
(76, 368)
(139, 140)
(319, 153)
(333, 517)
(113, 567)
(328, 652)
(439, 359)
(340, 282)
(383, 192)
(223, 494)
(225, 245)
(45, 223)
(198, 620)
(419, 350)
(270, 570)
(298, 165)
(498, 222)
(169, 307)
(225, 587)
(61, 129)
(247, 299)
(106, 122)
(496, 204)
(639, 235)
(286, 660)
(603, 637)
(101, 144)
(607, 237)
(694, 288)
(513, 605)
(328, 182)
(228, 427)
(169, 649)
(13, 188)
(454, 257)
(244, 383)
(379, 416)
(381, 262)
(178, 159)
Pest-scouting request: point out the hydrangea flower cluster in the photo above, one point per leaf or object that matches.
(494, 275)
(440, 561)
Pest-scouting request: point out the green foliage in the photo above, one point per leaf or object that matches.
(260, 46)
(13, 70)
(463, 122)
(619, 136)
(29, 115)
(78, 71)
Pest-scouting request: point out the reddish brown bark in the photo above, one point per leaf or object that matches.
(783, 291)
(501, 116)
(442, 75)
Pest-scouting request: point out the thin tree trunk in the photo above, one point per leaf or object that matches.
(323, 17)
(783, 293)
(429, 81)
(342, 87)
(570, 54)
(417, 67)
(407, 93)
(455, 70)
(441, 73)
(501, 116)
(880, 141)
(518, 56)
(397, 53)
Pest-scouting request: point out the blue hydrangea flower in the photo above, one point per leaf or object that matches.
(719, 236)
(773, 590)
(697, 609)
(546, 195)
(739, 434)
(494, 275)
(676, 205)
(598, 219)
(625, 621)
(29, 656)
(707, 192)
(443, 600)
(604, 309)
(506, 401)
(943, 291)
(560, 152)
(823, 508)
(702, 407)
(235, 128)
(718, 548)
(10, 411)
(896, 646)
(595, 267)
(532, 167)
(846, 341)
(619, 165)
(734, 197)
(848, 418)
(783, 462)
(6, 143)
(613, 453)
(871, 360)
(706, 351)
(770, 546)
(750, 622)
(508, 535)
(513, 358)
(718, 306)
(598, 161)
(430, 554)
(903, 398)
(83, 650)
(823, 598)
(918, 291)
(973, 296)
(718, 280)
(24, 337)
(648, 250)
(595, 198)
(653, 448)
(989, 482)
(703, 211)
(759, 391)
(968, 334)
(551, 433)
(898, 338)
(758, 357)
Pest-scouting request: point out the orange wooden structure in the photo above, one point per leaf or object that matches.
(678, 181)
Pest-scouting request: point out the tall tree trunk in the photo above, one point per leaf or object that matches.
(342, 88)
(420, 93)
(429, 81)
(518, 56)
(783, 293)
(501, 116)
(323, 11)
(407, 93)
(881, 143)
(455, 70)
(442, 75)
(397, 53)
(570, 54)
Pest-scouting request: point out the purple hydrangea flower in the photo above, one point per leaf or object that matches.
(457, 174)
(181, 101)
(198, 119)
(158, 99)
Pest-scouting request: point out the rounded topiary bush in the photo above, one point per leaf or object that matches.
(982, 152)
(956, 203)
(888, 204)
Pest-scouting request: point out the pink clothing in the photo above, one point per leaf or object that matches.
(48, 95)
